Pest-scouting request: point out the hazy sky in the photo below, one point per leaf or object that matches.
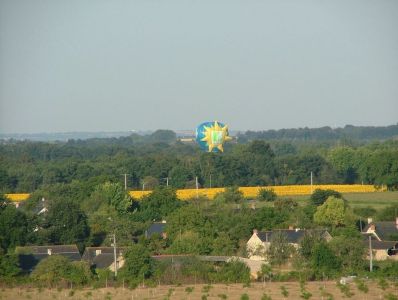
(121, 65)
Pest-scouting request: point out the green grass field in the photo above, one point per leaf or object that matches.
(378, 200)
(375, 200)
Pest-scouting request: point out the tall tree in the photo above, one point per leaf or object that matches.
(138, 264)
(157, 205)
(66, 223)
(280, 249)
(13, 227)
(334, 212)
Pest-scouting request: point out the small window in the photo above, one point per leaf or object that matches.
(98, 252)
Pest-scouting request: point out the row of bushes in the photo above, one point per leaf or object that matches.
(59, 271)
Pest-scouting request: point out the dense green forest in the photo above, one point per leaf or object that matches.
(82, 183)
(27, 166)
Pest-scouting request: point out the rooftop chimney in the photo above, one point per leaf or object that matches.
(370, 220)
(255, 231)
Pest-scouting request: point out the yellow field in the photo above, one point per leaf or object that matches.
(286, 190)
(248, 192)
(17, 197)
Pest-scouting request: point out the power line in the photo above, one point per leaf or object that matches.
(125, 180)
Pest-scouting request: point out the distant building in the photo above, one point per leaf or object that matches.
(260, 241)
(30, 256)
(156, 228)
(384, 239)
(103, 257)
(382, 231)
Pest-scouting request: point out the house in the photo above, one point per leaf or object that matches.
(381, 250)
(384, 239)
(30, 256)
(382, 231)
(156, 228)
(260, 241)
(42, 207)
(104, 257)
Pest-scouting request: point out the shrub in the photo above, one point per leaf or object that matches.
(325, 294)
(387, 269)
(284, 291)
(8, 265)
(138, 264)
(231, 195)
(233, 271)
(266, 297)
(244, 297)
(80, 273)
(170, 293)
(345, 289)
(286, 205)
(266, 195)
(206, 288)
(319, 196)
(361, 286)
(305, 294)
(390, 296)
(323, 260)
(51, 270)
(383, 284)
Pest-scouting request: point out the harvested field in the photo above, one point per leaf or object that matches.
(319, 290)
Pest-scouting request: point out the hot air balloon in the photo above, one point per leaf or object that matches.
(212, 135)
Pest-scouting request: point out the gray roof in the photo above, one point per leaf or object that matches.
(155, 228)
(382, 244)
(101, 257)
(378, 245)
(55, 249)
(384, 230)
(293, 235)
(30, 256)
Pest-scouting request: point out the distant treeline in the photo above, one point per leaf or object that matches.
(323, 133)
(158, 158)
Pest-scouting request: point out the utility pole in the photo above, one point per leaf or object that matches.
(114, 252)
(311, 182)
(210, 180)
(167, 181)
(197, 187)
(370, 254)
(125, 180)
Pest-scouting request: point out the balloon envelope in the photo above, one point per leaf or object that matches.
(211, 136)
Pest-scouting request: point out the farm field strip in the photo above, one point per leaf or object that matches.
(251, 192)
(196, 291)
